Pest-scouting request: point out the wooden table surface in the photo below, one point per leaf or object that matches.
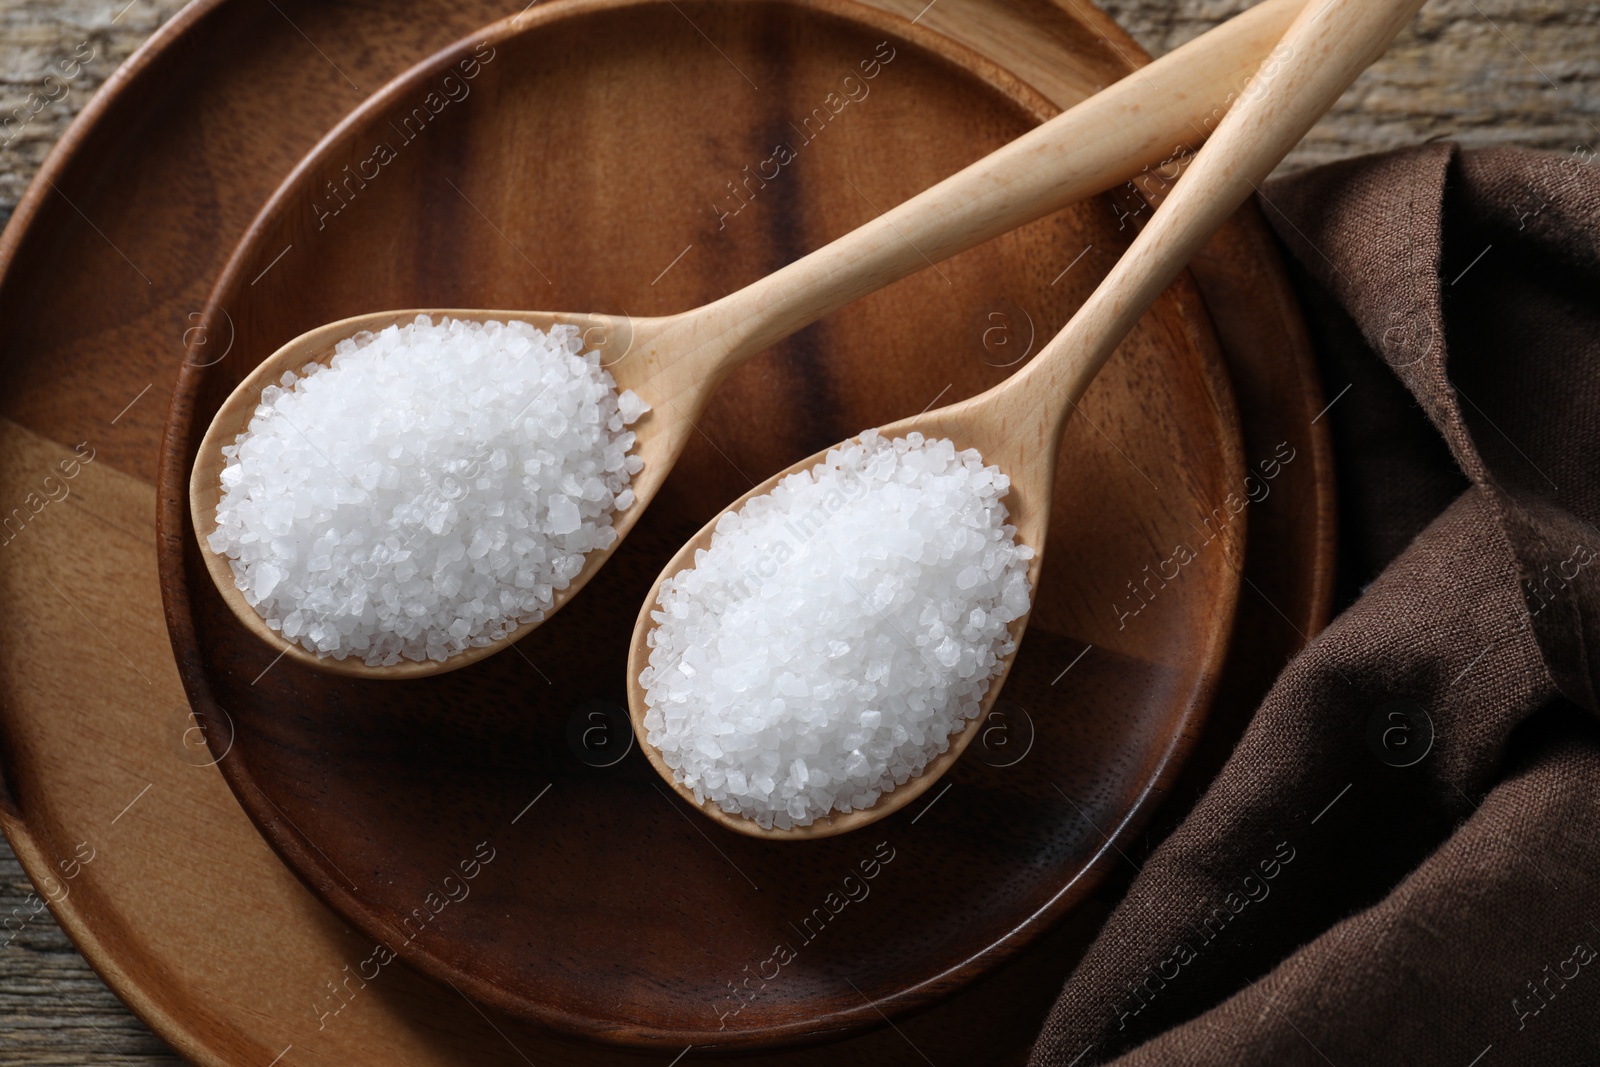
(1481, 72)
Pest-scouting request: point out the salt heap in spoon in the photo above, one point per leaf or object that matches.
(426, 491)
(838, 631)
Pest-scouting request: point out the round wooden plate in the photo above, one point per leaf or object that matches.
(462, 821)
(103, 274)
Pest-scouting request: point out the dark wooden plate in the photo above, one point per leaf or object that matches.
(594, 155)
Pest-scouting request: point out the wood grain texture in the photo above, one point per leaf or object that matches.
(85, 565)
(1479, 85)
(53, 1008)
(1482, 72)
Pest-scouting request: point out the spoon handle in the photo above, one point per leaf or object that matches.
(1328, 45)
(1139, 121)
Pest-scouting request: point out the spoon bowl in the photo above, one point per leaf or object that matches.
(969, 424)
(615, 337)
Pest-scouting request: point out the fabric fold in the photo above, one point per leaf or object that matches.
(1401, 859)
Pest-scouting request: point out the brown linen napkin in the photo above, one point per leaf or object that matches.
(1400, 862)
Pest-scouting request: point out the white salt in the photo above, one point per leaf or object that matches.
(428, 490)
(838, 631)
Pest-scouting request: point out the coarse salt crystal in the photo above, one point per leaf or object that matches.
(427, 490)
(838, 631)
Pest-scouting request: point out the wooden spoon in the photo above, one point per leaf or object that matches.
(1018, 424)
(675, 362)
